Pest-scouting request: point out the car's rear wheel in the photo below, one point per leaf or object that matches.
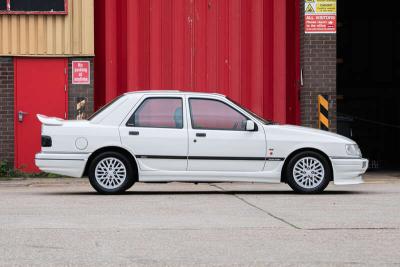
(308, 172)
(111, 173)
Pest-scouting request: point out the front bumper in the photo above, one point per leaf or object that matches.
(69, 164)
(348, 170)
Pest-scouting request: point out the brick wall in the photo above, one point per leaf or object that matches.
(318, 61)
(7, 109)
(78, 92)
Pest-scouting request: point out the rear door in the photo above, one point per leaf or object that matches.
(40, 87)
(157, 133)
(218, 140)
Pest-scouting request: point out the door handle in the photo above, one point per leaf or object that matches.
(133, 132)
(21, 115)
(201, 134)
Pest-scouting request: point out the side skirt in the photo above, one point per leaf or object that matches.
(209, 176)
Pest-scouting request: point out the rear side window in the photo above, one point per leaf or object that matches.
(104, 108)
(209, 114)
(158, 113)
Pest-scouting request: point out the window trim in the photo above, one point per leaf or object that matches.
(216, 129)
(156, 97)
(19, 12)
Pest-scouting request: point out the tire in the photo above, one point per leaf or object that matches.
(308, 172)
(111, 173)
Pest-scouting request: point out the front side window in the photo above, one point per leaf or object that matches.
(158, 113)
(215, 115)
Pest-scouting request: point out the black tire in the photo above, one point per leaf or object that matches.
(305, 185)
(130, 173)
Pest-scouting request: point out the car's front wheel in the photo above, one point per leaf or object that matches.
(308, 172)
(111, 173)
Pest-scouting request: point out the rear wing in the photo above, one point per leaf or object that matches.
(51, 121)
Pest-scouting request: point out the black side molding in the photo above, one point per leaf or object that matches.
(207, 157)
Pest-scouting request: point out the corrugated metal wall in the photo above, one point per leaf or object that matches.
(245, 49)
(49, 35)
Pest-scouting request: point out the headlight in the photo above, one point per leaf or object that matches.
(353, 150)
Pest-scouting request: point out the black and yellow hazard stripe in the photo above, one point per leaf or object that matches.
(323, 113)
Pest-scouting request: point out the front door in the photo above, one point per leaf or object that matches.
(40, 87)
(218, 140)
(157, 134)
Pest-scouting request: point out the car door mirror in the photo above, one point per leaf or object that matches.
(250, 125)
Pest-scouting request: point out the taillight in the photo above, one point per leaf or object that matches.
(46, 141)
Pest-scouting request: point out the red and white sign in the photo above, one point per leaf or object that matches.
(320, 23)
(80, 72)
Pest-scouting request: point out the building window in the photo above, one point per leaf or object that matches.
(34, 6)
(3, 5)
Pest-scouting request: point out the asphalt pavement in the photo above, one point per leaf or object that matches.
(48, 222)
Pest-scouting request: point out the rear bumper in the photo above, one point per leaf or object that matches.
(63, 164)
(348, 170)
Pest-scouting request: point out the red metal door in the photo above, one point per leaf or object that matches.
(40, 87)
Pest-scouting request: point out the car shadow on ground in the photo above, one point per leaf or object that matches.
(207, 192)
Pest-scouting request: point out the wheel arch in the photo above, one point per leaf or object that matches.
(118, 149)
(304, 149)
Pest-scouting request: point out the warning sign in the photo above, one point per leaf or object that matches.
(80, 72)
(320, 16)
(320, 23)
(310, 9)
(326, 7)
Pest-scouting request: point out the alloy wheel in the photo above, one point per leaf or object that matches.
(110, 173)
(308, 172)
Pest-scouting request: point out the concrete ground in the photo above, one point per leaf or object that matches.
(63, 222)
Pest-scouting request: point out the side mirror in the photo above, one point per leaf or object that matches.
(250, 125)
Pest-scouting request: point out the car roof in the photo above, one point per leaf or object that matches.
(178, 92)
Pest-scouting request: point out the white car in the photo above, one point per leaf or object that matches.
(165, 136)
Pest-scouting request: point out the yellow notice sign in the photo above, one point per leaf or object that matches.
(326, 7)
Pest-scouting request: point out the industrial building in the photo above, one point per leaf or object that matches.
(67, 58)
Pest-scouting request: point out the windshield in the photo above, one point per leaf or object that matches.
(261, 119)
(103, 108)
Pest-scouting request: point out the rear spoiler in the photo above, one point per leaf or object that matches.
(53, 121)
